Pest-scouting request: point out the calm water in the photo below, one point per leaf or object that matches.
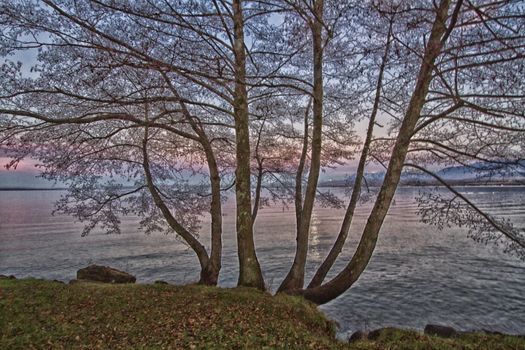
(418, 275)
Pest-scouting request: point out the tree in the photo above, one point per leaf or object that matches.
(260, 94)
(76, 47)
(406, 141)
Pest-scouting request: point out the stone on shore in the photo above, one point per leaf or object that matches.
(488, 331)
(440, 331)
(10, 277)
(357, 336)
(104, 274)
(381, 332)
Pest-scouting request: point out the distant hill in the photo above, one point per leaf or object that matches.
(477, 174)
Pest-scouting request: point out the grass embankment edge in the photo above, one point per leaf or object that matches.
(45, 314)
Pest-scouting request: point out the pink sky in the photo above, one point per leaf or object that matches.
(26, 174)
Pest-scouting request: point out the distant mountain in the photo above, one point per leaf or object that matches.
(478, 170)
(477, 174)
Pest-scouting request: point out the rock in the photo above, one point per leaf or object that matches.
(75, 281)
(104, 274)
(440, 331)
(356, 336)
(57, 281)
(160, 282)
(10, 277)
(488, 331)
(375, 334)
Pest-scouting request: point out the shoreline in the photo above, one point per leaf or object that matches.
(490, 185)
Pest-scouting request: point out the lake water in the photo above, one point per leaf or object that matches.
(418, 275)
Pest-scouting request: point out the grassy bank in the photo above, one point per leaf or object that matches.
(44, 315)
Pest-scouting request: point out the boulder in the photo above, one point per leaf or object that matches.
(488, 331)
(75, 281)
(356, 336)
(10, 277)
(385, 332)
(160, 282)
(104, 274)
(440, 331)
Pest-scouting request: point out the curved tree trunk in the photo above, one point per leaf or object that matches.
(295, 277)
(210, 274)
(329, 261)
(260, 175)
(213, 268)
(258, 189)
(298, 199)
(359, 261)
(250, 274)
(197, 247)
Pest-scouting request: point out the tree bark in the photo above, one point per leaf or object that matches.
(197, 247)
(214, 265)
(330, 259)
(258, 189)
(250, 274)
(295, 277)
(365, 249)
(298, 200)
(210, 274)
(260, 175)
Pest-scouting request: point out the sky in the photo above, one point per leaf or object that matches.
(27, 175)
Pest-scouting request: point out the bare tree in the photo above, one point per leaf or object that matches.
(423, 98)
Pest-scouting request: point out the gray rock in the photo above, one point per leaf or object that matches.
(104, 274)
(10, 277)
(160, 282)
(375, 334)
(356, 336)
(488, 331)
(440, 331)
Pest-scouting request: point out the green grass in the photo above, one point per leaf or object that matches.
(43, 315)
(396, 339)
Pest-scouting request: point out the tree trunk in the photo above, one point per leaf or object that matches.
(356, 266)
(250, 274)
(298, 199)
(214, 265)
(210, 274)
(295, 277)
(260, 175)
(197, 247)
(327, 264)
(258, 189)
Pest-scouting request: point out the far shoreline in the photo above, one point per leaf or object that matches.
(490, 185)
(33, 189)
